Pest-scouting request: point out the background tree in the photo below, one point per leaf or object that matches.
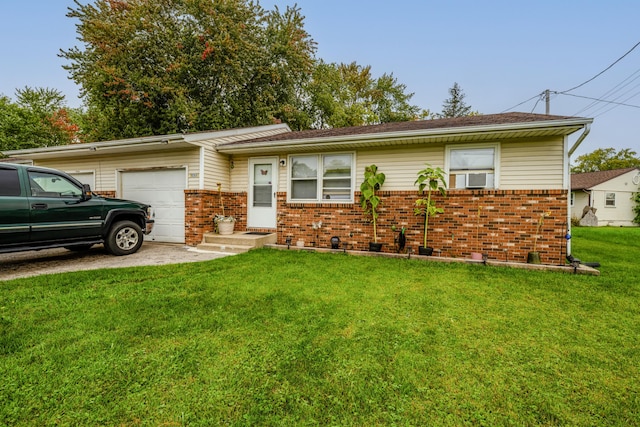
(603, 159)
(165, 66)
(340, 95)
(454, 106)
(38, 118)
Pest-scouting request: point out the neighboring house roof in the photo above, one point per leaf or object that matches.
(587, 180)
(469, 128)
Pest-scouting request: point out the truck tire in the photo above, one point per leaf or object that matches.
(124, 238)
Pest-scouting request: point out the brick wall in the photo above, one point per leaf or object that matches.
(504, 229)
(202, 205)
(106, 193)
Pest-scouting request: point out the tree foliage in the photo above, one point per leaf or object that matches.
(340, 95)
(38, 118)
(603, 159)
(455, 106)
(165, 66)
(636, 208)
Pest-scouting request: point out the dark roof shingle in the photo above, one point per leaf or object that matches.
(586, 180)
(457, 122)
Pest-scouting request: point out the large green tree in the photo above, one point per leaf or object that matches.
(38, 118)
(603, 159)
(164, 66)
(340, 95)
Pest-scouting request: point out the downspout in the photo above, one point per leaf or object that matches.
(587, 129)
(574, 147)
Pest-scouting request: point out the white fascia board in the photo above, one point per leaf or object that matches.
(141, 143)
(200, 136)
(94, 146)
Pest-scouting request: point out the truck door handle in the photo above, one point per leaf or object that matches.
(39, 206)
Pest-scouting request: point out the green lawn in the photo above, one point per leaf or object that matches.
(293, 338)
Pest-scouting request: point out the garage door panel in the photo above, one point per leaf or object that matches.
(163, 189)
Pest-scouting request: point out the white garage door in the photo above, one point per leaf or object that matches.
(163, 189)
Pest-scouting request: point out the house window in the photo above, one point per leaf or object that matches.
(472, 167)
(324, 177)
(573, 199)
(610, 200)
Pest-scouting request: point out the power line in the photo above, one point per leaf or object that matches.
(565, 92)
(523, 102)
(598, 100)
(617, 88)
(601, 72)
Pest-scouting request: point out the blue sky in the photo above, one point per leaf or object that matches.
(500, 52)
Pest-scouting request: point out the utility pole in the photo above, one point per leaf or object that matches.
(546, 101)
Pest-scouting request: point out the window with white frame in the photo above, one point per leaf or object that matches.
(321, 177)
(610, 200)
(572, 199)
(472, 167)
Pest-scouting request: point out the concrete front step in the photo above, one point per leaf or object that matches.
(239, 241)
(224, 248)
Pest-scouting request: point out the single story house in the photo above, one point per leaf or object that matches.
(610, 193)
(508, 178)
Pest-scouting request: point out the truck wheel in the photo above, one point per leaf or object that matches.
(124, 238)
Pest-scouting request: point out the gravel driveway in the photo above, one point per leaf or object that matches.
(34, 263)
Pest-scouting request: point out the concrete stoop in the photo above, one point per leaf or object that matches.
(238, 242)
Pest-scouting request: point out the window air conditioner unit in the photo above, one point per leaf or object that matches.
(476, 180)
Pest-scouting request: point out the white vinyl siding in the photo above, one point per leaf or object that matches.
(531, 165)
(400, 165)
(231, 170)
(239, 175)
(106, 167)
(217, 170)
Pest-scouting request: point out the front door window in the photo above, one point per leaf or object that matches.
(263, 179)
(262, 184)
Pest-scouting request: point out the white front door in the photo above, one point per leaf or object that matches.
(263, 184)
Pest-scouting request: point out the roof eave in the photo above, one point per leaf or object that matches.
(568, 126)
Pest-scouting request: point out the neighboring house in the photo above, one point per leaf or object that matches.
(512, 168)
(609, 192)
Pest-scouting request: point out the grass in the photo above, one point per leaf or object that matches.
(292, 338)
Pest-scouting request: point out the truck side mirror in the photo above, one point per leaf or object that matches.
(86, 192)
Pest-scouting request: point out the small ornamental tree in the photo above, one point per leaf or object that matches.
(369, 200)
(431, 179)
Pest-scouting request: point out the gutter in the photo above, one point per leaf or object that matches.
(587, 129)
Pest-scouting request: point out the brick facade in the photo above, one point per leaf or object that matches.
(504, 229)
(202, 205)
(107, 193)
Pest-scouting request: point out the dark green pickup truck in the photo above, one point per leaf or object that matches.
(45, 208)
